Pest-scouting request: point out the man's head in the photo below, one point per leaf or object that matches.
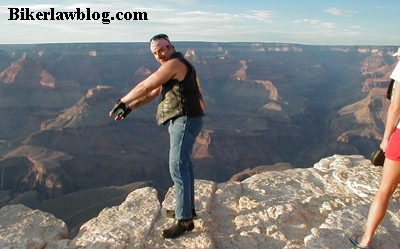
(161, 47)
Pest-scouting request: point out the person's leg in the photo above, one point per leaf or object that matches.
(396, 193)
(379, 205)
(179, 174)
(183, 132)
(195, 126)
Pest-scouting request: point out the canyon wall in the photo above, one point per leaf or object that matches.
(266, 105)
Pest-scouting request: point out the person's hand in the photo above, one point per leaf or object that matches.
(384, 144)
(122, 114)
(118, 105)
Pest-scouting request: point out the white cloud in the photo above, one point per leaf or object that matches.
(330, 25)
(199, 18)
(313, 22)
(340, 12)
(261, 15)
(361, 29)
(356, 27)
(300, 21)
(185, 2)
(317, 23)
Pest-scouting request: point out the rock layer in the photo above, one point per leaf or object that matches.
(316, 207)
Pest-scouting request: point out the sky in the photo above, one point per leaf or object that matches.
(308, 22)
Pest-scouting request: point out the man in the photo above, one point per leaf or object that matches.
(182, 107)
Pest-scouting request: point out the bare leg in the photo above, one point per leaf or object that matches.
(379, 205)
(396, 193)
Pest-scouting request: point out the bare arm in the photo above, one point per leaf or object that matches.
(142, 101)
(169, 70)
(145, 100)
(149, 89)
(393, 117)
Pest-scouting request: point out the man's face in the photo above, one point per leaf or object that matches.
(163, 54)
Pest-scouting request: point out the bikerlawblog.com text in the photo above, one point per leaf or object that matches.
(24, 14)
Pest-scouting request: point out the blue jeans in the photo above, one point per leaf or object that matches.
(183, 132)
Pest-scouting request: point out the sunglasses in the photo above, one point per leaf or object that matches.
(158, 37)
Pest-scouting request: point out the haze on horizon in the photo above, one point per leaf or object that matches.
(309, 22)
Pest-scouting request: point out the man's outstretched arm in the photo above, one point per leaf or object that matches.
(139, 103)
(166, 72)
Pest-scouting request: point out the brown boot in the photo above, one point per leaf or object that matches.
(179, 228)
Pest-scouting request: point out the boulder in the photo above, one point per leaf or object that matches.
(22, 227)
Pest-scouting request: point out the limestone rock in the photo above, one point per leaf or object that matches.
(200, 237)
(22, 227)
(124, 226)
(302, 208)
(317, 207)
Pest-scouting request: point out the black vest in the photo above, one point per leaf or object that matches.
(180, 98)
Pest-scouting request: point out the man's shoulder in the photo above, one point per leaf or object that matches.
(174, 62)
(175, 66)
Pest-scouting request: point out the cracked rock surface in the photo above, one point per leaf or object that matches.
(316, 207)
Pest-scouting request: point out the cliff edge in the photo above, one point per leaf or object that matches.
(316, 207)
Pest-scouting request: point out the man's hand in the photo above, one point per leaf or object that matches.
(117, 106)
(122, 114)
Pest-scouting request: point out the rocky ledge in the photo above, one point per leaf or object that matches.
(316, 207)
